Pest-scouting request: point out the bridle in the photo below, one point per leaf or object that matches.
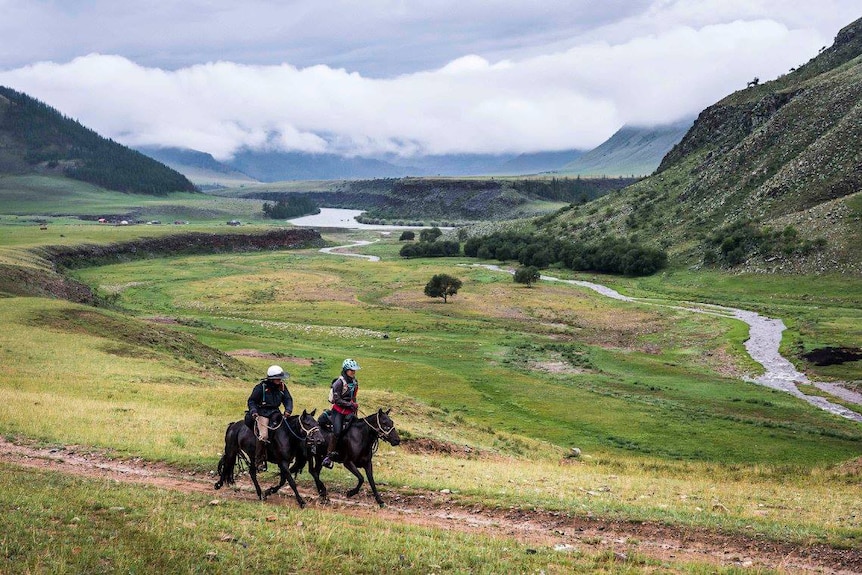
(384, 433)
(307, 432)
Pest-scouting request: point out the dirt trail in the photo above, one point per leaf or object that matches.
(558, 531)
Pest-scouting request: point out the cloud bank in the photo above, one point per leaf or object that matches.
(669, 60)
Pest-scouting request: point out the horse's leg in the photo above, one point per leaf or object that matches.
(227, 463)
(252, 472)
(314, 466)
(369, 472)
(297, 466)
(284, 468)
(351, 467)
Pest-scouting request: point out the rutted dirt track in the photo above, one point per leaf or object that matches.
(535, 528)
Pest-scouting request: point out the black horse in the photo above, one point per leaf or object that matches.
(355, 448)
(290, 438)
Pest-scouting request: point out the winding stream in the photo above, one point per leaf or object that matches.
(764, 338)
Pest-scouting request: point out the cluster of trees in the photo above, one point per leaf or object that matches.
(428, 246)
(434, 249)
(609, 255)
(290, 206)
(62, 143)
(733, 244)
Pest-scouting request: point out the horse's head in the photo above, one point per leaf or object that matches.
(313, 437)
(386, 427)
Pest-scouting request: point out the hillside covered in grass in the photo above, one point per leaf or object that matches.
(37, 139)
(767, 179)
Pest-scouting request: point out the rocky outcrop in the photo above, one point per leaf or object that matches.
(50, 281)
(180, 244)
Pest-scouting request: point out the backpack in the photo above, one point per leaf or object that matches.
(332, 391)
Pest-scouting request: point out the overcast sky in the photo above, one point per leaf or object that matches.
(408, 77)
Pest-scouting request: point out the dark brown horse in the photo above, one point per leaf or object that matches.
(355, 448)
(290, 438)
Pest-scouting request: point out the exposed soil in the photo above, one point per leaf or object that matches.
(253, 353)
(833, 355)
(440, 510)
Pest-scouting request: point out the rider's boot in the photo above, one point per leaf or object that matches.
(260, 455)
(331, 454)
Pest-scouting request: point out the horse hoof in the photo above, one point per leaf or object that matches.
(381, 504)
(302, 504)
(217, 485)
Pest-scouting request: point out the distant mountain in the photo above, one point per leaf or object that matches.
(250, 165)
(631, 151)
(452, 164)
(37, 139)
(538, 162)
(200, 167)
(767, 179)
(283, 166)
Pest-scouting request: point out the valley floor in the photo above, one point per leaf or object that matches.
(559, 531)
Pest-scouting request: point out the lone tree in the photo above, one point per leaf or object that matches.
(442, 285)
(407, 235)
(527, 275)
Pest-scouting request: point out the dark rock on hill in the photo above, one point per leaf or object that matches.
(35, 138)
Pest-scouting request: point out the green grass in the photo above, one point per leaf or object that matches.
(648, 375)
(53, 197)
(99, 527)
(652, 395)
(819, 311)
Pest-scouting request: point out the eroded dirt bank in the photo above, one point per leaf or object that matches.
(560, 531)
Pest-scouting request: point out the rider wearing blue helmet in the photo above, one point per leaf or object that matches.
(344, 390)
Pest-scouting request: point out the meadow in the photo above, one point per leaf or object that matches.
(504, 380)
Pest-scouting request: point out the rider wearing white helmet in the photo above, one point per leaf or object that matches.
(263, 403)
(344, 390)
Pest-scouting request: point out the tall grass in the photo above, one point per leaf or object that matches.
(511, 377)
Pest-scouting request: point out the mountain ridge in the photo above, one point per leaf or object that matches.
(767, 178)
(36, 138)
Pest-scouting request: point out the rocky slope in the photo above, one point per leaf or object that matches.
(767, 179)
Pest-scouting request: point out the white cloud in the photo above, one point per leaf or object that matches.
(648, 66)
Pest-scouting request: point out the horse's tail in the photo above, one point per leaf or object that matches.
(227, 463)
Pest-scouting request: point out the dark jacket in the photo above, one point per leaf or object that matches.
(344, 392)
(267, 396)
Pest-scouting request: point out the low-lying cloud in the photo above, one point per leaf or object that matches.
(574, 97)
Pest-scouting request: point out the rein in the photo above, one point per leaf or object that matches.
(379, 429)
(307, 432)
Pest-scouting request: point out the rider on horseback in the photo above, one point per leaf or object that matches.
(343, 398)
(263, 404)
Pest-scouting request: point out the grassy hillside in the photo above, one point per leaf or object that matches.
(767, 179)
(37, 139)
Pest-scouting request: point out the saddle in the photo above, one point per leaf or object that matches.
(325, 421)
